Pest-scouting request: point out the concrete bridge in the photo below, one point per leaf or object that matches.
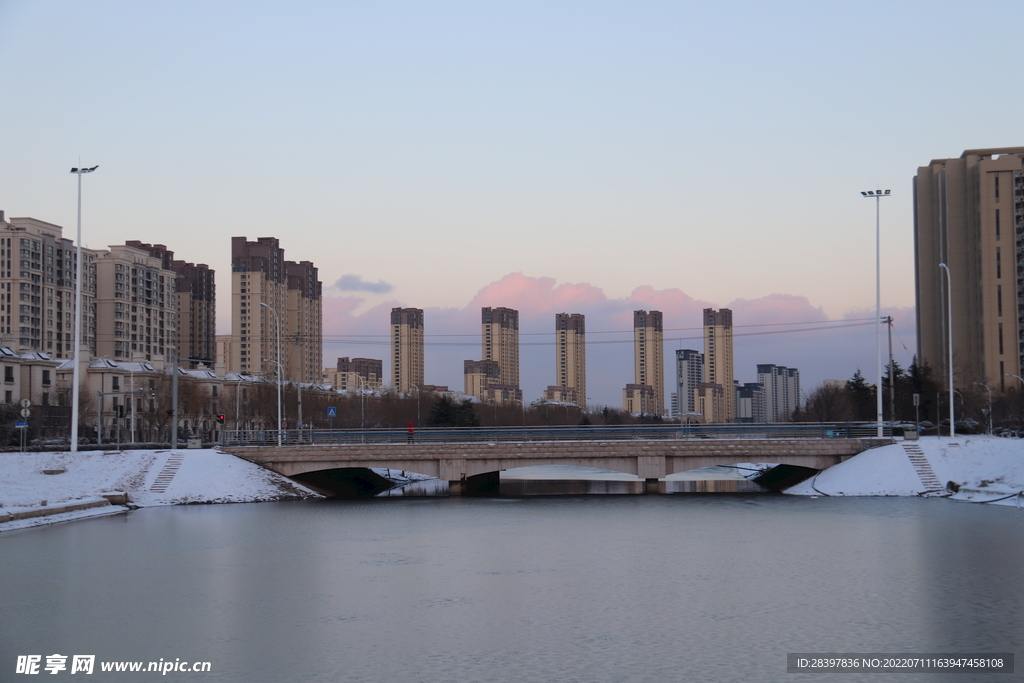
(471, 467)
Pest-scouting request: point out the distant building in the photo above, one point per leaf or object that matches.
(709, 402)
(195, 305)
(751, 405)
(781, 391)
(357, 373)
(500, 342)
(570, 360)
(638, 399)
(689, 373)
(969, 215)
(136, 304)
(305, 321)
(407, 349)
(479, 375)
(648, 364)
(718, 358)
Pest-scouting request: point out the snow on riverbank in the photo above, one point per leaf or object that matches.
(150, 478)
(983, 468)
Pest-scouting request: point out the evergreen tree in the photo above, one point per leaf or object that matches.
(862, 398)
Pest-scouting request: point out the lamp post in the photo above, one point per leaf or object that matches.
(989, 405)
(280, 377)
(362, 405)
(877, 196)
(76, 371)
(949, 330)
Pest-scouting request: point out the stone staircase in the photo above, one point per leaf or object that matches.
(932, 485)
(163, 480)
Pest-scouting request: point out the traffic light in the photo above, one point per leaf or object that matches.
(220, 419)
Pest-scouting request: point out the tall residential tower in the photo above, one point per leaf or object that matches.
(648, 365)
(570, 360)
(718, 366)
(406, 349)
(969, 214)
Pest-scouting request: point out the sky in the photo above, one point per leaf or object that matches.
(586, 157)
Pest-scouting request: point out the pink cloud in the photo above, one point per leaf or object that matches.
(818, 353)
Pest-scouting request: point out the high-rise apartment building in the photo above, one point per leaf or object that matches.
(969, 214)
(648, 363)
(500, 342)
(37, 289)
(689, 373)
(258, 276)
(751, 405)
(406, 349)
(136, 304)
(267, 291)
(570, 360)
(781, 391)
(305, 322)
(718, 365)
(196, 308)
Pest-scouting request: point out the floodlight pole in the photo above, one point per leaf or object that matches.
(949, 314)
(277, 320)
(76, 371)
(877, 196)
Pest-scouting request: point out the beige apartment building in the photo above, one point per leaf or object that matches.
(648, 364)
(639, 399)
(969, 215)
(478, 376)
(709, 401)
(570, 360)
(500, 342)
(267, 290)
(407, 349)
(195, 305)
(305, 322)
(718, 360)
(356, 373)
(37, 289)
(136, 304)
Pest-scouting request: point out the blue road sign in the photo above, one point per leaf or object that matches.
(332, 411)
(21, 425)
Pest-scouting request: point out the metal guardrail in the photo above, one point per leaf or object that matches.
(325, 437)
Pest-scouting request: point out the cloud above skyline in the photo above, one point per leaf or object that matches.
(354, 283)
(781, 329)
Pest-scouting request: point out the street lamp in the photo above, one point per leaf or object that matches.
(76, 371)
(280, 374)
(949, 314)
(989, 405)
(877, 196)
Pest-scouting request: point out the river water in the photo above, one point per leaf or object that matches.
(716, 587)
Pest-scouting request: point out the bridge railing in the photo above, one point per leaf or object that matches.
(430, 435)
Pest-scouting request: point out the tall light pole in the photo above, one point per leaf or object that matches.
(949, 322)
(277, 321)
(76, 371)
(989, 405)
(877, 196)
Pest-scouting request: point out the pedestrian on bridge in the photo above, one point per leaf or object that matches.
(411, 431)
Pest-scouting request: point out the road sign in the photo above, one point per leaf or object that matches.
(25, 412)
(25, 403)
(332, 412)
(21, 425)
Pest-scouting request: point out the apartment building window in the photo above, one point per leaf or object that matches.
(1000, 342)
(46, 379)
(8, 375)
(997, 225)
(8, 397)
(46, 398)
(997, 185)
(115, 385)
(999, 264)
(999, 300)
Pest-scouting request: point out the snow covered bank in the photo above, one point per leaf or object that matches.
(982, 469)
(150, 478)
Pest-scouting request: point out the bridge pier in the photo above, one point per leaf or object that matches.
(654, 486)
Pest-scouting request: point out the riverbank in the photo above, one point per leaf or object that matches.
(974, 469)
(45, 488)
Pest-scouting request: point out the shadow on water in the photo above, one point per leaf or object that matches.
(577, 481)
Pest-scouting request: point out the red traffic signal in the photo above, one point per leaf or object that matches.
(220, 419)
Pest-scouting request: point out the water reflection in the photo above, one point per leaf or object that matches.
(568, 480)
